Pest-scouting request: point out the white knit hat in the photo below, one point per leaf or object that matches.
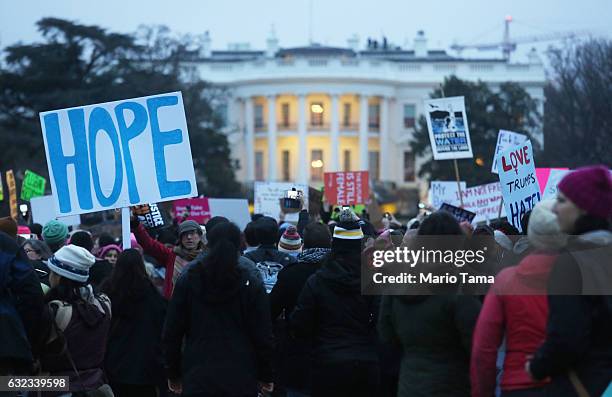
(543, 230)
(72, 262)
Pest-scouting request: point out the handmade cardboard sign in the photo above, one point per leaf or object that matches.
(506, 140)
(449, 133)
(347, 188)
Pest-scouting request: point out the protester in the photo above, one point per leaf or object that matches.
(294, 362)
(9, 226)
(433, 330)
(23, 323)
(189, 246)
(81, 322)
(340, 322)
(110, 253)
(267, 258)
(102, 268)
(290, 242)
(227, 351)
(38, 253)
(55, 235)
(133, 359)
(577, 353)
(516, 308)
(250, 236)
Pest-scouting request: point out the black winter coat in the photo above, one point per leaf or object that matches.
(294, 353)
(333, 314)
(579, 331)
(133, 353)
(435, 334)
(218, 342)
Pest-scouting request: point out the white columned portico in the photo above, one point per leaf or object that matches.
(335, 134)
(363, 133)
(303, 169)
(249, 123)
(271, 138)
(384, 139)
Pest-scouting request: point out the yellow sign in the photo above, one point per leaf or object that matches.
(12, 190)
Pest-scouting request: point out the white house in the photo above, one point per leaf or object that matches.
(294, 113)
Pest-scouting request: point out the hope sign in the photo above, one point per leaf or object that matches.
(118, 154)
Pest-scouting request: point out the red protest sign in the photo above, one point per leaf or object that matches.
(196, 209)
(347, 188)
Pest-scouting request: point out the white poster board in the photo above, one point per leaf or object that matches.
(444, 192)
(268, 195)
(43, 211)
(484, 201)
(550, 190)
(449, 132)
(118, 154)
(506, 140)
(517, 176)
(236, 210)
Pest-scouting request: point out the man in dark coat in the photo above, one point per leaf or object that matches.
(340, 322)
(294, 361)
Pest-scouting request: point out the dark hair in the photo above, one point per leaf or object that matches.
(440, 223)
(255, 217)
(588, 223)
(129, 279)
(105, 239)
(214, 221)
(250, 234)
(316, 235)
(82, 239)
(67, 290)
(220, 266)
(40, 247)
(36, 228)
(505, 227)
(267, 230)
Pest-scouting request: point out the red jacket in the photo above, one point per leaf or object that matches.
(163, 255)
(509, 310)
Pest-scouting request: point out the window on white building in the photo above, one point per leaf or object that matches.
(259, 117)
(374, 164)
(222, 112)
(346, 115)
(259, 166)
(347, 161)
(316, 165)
(374, 116)
(409, 167)
(316, 114)
(285, 114)
(286, 165)
(409, 116)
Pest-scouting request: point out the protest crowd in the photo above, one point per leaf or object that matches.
(277, 308)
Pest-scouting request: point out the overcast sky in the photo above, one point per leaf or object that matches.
(333, 21)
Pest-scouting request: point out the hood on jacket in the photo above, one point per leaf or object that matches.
(521, 246)
(313, 255)
(341, 276)
(535, 268)
(596, 237)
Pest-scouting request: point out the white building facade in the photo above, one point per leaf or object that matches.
(293, 114)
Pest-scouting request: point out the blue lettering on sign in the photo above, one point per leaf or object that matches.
(128, 133)
(59, 162)
(100, 120)
(160, 140)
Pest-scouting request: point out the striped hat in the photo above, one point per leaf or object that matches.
(290, 242)
(347, 237)
(72, 262)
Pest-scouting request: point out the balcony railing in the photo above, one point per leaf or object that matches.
(318, 127)
(349, 127)
(261, 127)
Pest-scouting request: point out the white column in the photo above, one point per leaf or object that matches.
(249, 122)
(271, 138)
(385, 169)
(335, 134)
(303, 166)
(363, 133)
